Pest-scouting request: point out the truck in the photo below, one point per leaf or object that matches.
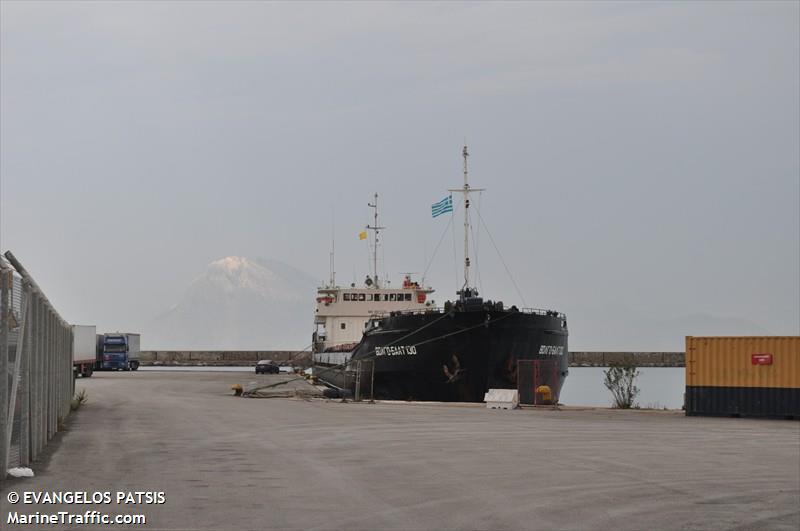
(83, 350)
(118, 351)
(134, 348)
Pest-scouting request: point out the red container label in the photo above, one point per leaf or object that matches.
(761, 359)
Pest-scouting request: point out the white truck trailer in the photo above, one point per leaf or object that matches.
(84, 349)
(134, 348)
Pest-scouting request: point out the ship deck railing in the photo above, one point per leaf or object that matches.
(440, 309)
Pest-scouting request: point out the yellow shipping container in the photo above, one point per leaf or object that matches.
(743, 376)
(769, 361)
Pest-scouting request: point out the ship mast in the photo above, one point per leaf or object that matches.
(376, 230)
(466, 291)
(333, 252)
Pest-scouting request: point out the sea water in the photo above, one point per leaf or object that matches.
(659, 387)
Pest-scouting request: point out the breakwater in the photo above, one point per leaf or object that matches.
(303, 358)
(640, 359)
(222, 357)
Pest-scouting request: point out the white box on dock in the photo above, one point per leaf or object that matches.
(502, 399)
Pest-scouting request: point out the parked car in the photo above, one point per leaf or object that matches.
(266, 367)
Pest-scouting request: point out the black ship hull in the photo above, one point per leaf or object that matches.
(456, 355)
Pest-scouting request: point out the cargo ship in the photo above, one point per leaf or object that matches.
(456, 352)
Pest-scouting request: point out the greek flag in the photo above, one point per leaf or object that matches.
(443, 206)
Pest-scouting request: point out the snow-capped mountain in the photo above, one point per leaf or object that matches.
(240, 304)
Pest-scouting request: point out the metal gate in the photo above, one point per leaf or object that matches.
(364, 376)
(532, 375)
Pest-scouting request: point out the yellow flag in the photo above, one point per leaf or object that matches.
(362, 235)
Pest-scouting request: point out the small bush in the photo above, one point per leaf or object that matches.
(620, 380)
(79, 399)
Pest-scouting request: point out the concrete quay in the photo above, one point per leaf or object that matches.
(235, 463)
(250, 357)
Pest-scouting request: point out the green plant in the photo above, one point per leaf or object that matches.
(620, 380)
(79, 399)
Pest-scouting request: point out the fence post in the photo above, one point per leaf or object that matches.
(58, 364)
(357, 393)
(70, 370)
(41, 392)
(46, 396)
(59, 372)
(52, 384)
(68, 379)
(372, 383)
(33, 350)
(57, 375)
(66, 369)
(72, 374)
(62, 354)
(51, 431)
(5, 428)
(23, 359)
(47, 348)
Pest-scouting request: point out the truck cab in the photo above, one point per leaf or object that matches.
(114, 354)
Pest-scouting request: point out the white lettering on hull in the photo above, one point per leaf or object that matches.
(398, 350)
(551, 350)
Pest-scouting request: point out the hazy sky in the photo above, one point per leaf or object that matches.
(641, 159)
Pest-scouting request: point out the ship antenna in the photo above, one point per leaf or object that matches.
(376, 231)
(466, 291)
(333, 248)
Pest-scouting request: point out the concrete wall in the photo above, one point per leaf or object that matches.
(250, 357)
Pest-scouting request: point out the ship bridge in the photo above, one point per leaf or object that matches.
(342, 313)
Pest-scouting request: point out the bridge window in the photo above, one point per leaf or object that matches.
(408, 296)
(346, 296)
(362, 297)
(392, 296)
(343, 326)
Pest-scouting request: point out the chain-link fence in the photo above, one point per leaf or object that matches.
(36, 382)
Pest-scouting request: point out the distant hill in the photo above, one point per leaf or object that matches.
(239, 304)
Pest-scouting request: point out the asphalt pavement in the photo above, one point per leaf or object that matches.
(224, 462)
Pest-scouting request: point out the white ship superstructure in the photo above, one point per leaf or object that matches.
(343, 313)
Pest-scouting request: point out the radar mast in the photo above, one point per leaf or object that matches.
(376, 231)
(466, 290)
